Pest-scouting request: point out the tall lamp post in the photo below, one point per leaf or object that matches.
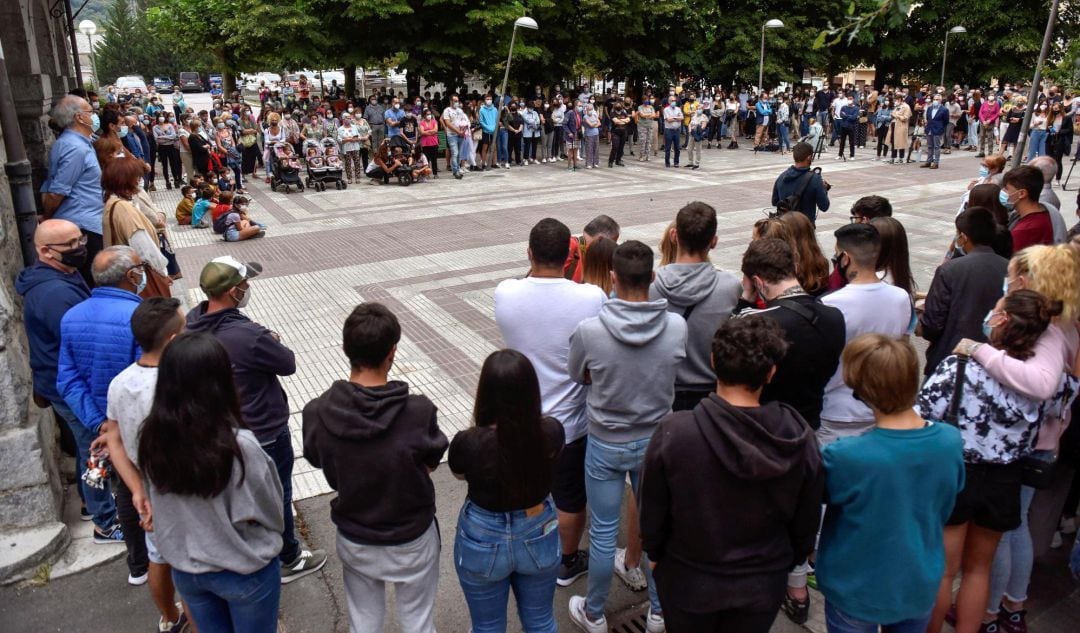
(524, 22)
(88, 28)
(1033, 94)
(955, 29)
(771, 24)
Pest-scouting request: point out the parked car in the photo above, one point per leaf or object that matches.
(251, 82)
(162, 84)
(131, 83)
(190, 82)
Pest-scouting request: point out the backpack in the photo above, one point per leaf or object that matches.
(222, 224)
(794, 201)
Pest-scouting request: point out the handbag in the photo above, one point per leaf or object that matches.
(952, 414)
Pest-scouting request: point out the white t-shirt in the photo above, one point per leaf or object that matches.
(536, 316)
(877, 308)
(131, 395)
(837, 105)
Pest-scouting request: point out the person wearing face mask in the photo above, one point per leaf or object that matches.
(488, 115)
(1038, 131)
(590, 137)
(1014, 119)
(125, 224)
(429, 141)
(456, 124)
(558, 119)
(258, 359)
(374, 113)
(200, 148)
(989, 115)
(393, 118)
(620, 122)
(167, 139)
(964, 288)
(999, 426)
(96, 344)
(646, 116)
(1060, 136)
(937, 121)
(1029, 220)
(531, 119)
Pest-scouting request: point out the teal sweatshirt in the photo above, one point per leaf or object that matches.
(889, 493)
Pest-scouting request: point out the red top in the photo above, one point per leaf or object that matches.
(219, 210)
(1032, 229)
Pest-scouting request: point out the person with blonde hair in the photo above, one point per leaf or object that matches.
(668, 249)
(900, 478)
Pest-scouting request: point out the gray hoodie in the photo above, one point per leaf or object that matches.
(709, 295)
(629, 352)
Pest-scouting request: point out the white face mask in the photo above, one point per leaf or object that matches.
(242, 303)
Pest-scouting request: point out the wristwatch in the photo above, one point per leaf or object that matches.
(969, 349)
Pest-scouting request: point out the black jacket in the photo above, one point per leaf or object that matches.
(258, 358)
(376, 447)
(962, 292)
(730, 502)
(812, 357)
(814, 197)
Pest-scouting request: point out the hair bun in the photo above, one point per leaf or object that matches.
(1051, 308)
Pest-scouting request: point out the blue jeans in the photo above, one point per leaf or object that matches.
(99, 501)
(840, 622)
(502, 145)
(495, 552)
(281, 451)
(671, 139)
(454, 142)
(1014, 559)
(1037, 144)
(785, 140)
(224, 601)
(933, 148)
(606, 468)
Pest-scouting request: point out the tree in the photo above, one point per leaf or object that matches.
(130, 45)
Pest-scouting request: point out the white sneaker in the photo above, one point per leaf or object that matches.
(654, 623)
(578, 617)
(138, 581)
(633, 577)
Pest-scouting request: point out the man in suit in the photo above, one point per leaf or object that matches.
(937, 120)
(964, 289)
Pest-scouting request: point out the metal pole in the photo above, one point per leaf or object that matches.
(502, 95)
(1018, 156)
(74, 42)
(17, 169)
(761, 62)
(943, 56)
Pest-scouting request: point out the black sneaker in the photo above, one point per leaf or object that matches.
(578, 567)
(798, 611)
(111, 536)
(308, 562)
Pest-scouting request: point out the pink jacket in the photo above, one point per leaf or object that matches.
(989, 111)
(1039, 376)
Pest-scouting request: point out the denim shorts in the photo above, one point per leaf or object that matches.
(152, 552)
(232, 234)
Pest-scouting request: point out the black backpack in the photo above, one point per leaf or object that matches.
(794, 201)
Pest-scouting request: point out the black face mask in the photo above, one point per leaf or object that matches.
(74, 258)
(841, 269)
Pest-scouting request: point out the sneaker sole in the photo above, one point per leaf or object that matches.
(300, 574)
(566, 582)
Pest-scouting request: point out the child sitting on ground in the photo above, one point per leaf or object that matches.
(421, 167)
(200, 216)
(233, 222)
(187, 203)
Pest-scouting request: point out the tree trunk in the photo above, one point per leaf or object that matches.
(350, 81)
(228, 83)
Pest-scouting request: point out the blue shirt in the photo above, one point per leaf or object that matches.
(74, 173)
(393, 115)
(889, 493)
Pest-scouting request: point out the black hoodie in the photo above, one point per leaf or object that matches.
(376, 446)
(730, 502)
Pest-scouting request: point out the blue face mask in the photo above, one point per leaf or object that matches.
(984, 171)
(142, 283)
(1004, 198)
(95, 122)
(986, 327)
(123, 131)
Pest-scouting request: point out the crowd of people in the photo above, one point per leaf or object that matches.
(773, 421)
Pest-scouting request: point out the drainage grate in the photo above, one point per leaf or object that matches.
(630, 621)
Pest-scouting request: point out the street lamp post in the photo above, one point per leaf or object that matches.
(771, 24)
(1033, 94)
(955, 29)
(88, 28)
(524, 22)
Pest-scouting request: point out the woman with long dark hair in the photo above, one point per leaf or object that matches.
(811, 266)
(214, 493)
(894, 260)
(507, 536)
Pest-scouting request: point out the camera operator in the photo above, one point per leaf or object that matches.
(799, 181)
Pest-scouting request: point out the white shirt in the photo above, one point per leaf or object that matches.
(837, 105)
(671, 112)
(536, 316)
(131, 395)
(877, 308)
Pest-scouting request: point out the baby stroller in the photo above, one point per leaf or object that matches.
(404, 173)
(315, 162)
(335, 169)
(285, 170)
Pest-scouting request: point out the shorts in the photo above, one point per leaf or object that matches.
(151, 550)
(232, 234)
(569, 489)
(486, 139)
(990, 498)
(571, 143)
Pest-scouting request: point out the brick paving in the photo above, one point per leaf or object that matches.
(435, 251)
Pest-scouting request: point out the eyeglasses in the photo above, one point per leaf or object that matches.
(857, 219)
(72, 243)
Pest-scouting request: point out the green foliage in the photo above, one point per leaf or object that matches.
(131, 45)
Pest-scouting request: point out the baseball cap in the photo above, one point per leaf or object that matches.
(221, 274)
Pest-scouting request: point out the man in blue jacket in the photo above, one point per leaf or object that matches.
(96, 344)
(49, 289)
(937, 119)
(258, 358)
(849, 119)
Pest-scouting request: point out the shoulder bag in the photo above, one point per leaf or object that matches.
(157, 285)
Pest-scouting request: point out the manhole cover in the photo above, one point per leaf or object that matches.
(630, 621)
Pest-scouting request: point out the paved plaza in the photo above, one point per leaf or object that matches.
(434, 252)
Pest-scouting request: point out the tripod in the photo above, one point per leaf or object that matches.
(1072, 165)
